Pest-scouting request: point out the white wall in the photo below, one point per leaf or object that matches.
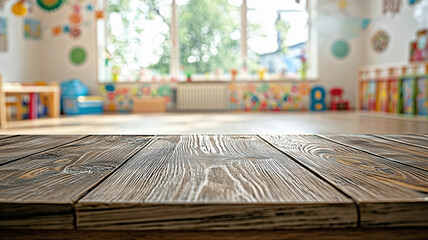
(402, 29)
(21, 63)
(56, 65)
(338, 72)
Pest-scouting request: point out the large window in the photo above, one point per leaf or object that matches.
(148, 40)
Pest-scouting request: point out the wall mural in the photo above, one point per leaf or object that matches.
(119, 97)
(269, 96)
(242, 96)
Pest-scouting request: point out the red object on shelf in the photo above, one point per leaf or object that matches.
(337, 103)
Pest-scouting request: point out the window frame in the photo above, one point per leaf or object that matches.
(174, 74)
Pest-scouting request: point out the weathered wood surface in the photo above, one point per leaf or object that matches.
(38, 191)
(213, 183)
(388, 193)
(398, 152)
(312, 234)
(17, 147)
(416, 140)
(6, 136)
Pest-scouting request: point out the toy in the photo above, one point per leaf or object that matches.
(337, 103)
(233, 73)
(317, 99)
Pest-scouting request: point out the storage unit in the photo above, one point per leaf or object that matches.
(83, 105)
(398, 90)
(149, 105)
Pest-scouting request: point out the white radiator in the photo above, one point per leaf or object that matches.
(202, 96)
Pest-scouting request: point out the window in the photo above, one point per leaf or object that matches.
(148, 40)
(278, 32)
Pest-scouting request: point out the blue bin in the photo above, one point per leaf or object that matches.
(83, 105)
(75, 99)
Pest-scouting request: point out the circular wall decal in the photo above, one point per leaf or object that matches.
(380, 41)
(78, 55)
(340, 48)
(49, 5)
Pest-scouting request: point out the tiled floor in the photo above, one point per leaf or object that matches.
(226, 123)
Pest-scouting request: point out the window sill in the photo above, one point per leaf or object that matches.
(218, 80)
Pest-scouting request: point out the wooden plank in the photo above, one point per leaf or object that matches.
(388, 193)
(6, 136)
(415, 140)
(39, 191)
(318, 234)
(25, 145)
(394, 151)
(213, 183)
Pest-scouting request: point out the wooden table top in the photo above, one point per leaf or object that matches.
(213, 182)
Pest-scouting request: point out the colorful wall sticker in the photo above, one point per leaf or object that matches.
(49, 5)
(340, 48)
(19, 8)
(78, 55)
(32, 29)
(380, 41)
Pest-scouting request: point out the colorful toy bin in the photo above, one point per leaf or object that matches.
(75, 99)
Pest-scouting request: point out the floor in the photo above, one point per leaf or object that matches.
(226, 123)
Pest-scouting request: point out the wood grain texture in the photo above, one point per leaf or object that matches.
(411, 139)
(394, 151)
(17, 147)
(6, 136)
(370, 180)
(213, 183)
(318, 234)
(40, 189)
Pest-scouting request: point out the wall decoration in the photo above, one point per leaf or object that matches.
(120, 97)
(99, 14)
(365, 23)
(66, 28)
(380, 41)
(89, 7)
(3, 35)
(75, 32)
(413, 2)
(56, 31)
(318, 95)
(49, 5)
(268, 96)
(32, 29)
(391, 6)
(340, 48)
(342, 4)
(75, 18)
(419, 47)
(19, 8)
(78, 55)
